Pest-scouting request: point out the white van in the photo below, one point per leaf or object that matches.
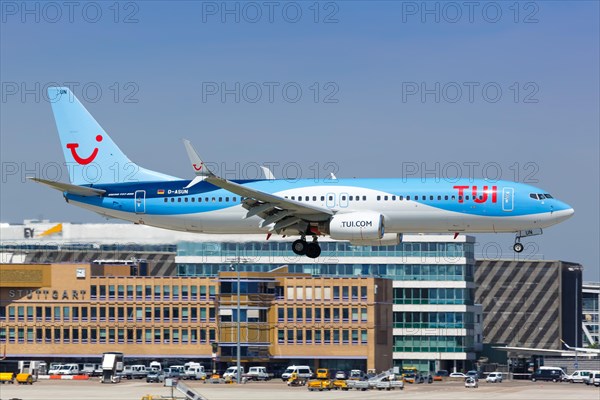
(195, 372)
(69, 369)
(494, 377)
(231, 372)
(54, 368)
(303, 372)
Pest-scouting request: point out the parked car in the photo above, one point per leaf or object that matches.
(595, 379)
(474, 374)
(590, 378)
(457, 375)
(440, 375)
(553, 374)
(494, 377)
(578, 376)
(470, 382)
(341, 375)
(357, 375)
(155, 376)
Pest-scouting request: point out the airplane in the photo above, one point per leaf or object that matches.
(365, 212)
(581, 349)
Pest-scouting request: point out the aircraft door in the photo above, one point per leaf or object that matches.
(508, 199)
(330, 201)
(140, 201)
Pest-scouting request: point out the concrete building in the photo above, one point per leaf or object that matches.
(78, 311)
(435, 325)
(591, 313)
(530, 303)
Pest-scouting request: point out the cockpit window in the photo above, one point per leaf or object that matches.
(548, 196)
(541, 196)
(533, 196)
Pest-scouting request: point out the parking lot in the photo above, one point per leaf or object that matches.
(276, 389)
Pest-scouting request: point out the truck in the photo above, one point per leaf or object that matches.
(112, 366)
(257, 374)
(137, 371)
(194, 370)
(390, 383)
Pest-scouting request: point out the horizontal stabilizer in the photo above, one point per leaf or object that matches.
(72, 189)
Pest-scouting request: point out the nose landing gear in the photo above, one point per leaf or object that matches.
(518, 246)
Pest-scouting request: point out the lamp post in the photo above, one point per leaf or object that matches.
(576, 270)
(238, 346)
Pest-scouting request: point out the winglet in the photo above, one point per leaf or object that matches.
(200, 169)
(268, 173)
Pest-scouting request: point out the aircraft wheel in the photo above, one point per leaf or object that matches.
(518, 247)
(299, 247)
(313, 250)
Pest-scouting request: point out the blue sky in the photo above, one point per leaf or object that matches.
(362, 69)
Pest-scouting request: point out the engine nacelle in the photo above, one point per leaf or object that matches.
(388, 239)
(357, 226)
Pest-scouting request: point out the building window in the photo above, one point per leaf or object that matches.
(363, 336)
(280, 336)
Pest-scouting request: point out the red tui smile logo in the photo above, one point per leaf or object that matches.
(79, 159)
(196, 167)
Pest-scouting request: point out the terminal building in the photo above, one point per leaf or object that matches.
(591, 313)
(428, 318)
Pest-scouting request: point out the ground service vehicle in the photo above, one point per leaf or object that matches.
(390, 383)
(595, 379)
(54, 367)
(304, 372)
(578, 376)
(322, 381)
(112, 366)
(357, 375)
(195, 372)
(494, 377)
(135, 371)
(553, 374)
(155, 376)
(471, 383)
(7, 377)
(257, 374)
(69, 369)
(232, 373)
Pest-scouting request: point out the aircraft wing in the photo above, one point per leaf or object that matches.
(277, 212)
(72, 189)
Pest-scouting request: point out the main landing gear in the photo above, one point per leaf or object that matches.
(311, 250)
(518, 246)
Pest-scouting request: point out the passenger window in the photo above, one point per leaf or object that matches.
(350, 198)
(206, 199)
(322, 198)
(314, 198)
(234, 199)
(430, 197)
(393, 197)
(220, 199)
(193, 199)
(227, 199)
(364, 198)
(186, 199)
(407, 197)
(199, 199)
(293, 197)
(439, 197)
(460, 198)
(179, 199)
(385, 198)
(330, 198)
(343, 198)
(445, 197)
(466, 197)
(307, 198)
(541, 196)
(378, 198)
(166, 199)
(214, 199)
(453, 197)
